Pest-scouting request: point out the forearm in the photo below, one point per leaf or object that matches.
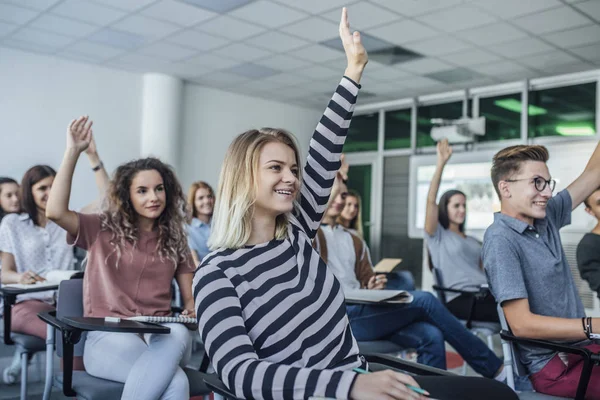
(552, 328)
(354, 72)
(10, 276)
(101, 176)
(185, 287)
(58, 202)
(435, 183)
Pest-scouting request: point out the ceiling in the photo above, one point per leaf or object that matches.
(274, 48)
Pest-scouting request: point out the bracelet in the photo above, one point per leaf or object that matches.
(98, 167)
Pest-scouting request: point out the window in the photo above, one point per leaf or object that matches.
(362, 135)
(426, 113)
(397, 129)
(502, 117)
(563, 111)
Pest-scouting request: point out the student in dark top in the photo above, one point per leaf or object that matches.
(588, 250)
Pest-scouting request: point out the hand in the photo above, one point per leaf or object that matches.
(30, 277)
(355, 51)
(344, 168)
(79, 134)
(377, 282)
(444, 151)
(190, 313)
(388, 385)
(91, 150)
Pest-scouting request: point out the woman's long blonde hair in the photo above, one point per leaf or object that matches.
(191, 196)
(119, 217)
(356, 222)
(232, 217)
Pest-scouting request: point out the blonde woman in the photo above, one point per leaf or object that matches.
(351, 216)
(201, 202)
(270, 313)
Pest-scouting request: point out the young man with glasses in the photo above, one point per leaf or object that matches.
(527, 269)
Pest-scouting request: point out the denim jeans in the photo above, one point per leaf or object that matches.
(424, 325)
(149, 368)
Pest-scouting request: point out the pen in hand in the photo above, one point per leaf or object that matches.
(411, 387)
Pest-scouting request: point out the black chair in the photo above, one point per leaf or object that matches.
(26, 345)
(513, 364)
(69, 322)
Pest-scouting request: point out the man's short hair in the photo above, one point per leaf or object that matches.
(508, 161)
(586, 202)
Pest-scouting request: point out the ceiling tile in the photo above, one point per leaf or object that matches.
(27, 46)
(6, 28)
(437, 46)
(540, 61)
(520, 48)
(143, 62)
(220, 79)
(212, 61)
(512, 8)
(125, 5)
(457, 19)
(218, 6)
(92, 59)
(492, 34)
(575, 37)
(230, 28)
(425, 66)
(252, 71)
(568, 68)
(242, 52)
(470, 57)
(197, 40)
(412, 8)
(590, 53)
(283, 62)
(183, 70)
(316, 7)
(552, 20)
(168, 51)
(315, 29)
(454, 75)
(318, 72)
(88, 12)
(364, 15)
(64, 26)
(316, 53)
(268, 14)
(147, 27)
(277, 42)
(42, 38)
(287, 79)
(387, 74)
(94, 50)
(118, 39)
(418, 82)
(501, 68)
(258, 86)
(403, 32)
(591, 8)
(178, 13)
(16, 15)
(40, 5)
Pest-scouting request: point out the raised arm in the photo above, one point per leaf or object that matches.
(589, 180)
(79, 136)
(444, 152)
(328, 138)
(100, 174)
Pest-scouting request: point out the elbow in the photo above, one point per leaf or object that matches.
(52, 214)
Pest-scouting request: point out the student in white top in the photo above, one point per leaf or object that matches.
(9, 196)
(456, 255)
(201, 202)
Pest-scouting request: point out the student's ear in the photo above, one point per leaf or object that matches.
(504, 189)
(589, 211)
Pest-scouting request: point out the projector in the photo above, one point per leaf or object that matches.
(461, 130)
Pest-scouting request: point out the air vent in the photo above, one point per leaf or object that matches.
(379, 50)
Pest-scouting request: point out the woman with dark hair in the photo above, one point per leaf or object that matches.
(136, 246)
(351, 216)
(456, 255)
(201, 202)
(9, 196)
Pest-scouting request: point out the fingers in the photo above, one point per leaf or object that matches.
(80, 121)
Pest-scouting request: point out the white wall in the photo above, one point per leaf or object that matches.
(212, 118)
(38, 98)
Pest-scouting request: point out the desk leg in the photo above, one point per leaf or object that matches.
(49, 361)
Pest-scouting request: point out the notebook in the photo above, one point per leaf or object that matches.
(53, 278)
(378, 296)
(387, 265)
(164, 320)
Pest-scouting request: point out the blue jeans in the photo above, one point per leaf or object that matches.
(400, 280)
(424, 325)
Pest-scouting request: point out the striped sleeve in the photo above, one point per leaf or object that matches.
(324, 156)
(227, 343)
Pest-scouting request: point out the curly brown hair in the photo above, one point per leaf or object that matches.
(120, 218)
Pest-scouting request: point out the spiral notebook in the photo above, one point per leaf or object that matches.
(164, 320)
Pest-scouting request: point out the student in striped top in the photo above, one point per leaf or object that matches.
(270, 313)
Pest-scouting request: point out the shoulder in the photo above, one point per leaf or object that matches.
(589, 241)
(15, 219)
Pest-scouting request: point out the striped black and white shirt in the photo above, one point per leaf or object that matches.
(272, 316)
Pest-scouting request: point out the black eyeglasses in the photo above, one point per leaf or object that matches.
(539, 183)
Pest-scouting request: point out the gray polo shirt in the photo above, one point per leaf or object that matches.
(528, 262)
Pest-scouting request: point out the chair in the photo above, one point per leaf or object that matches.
(512, 362)
(26, 345)
(69, 322)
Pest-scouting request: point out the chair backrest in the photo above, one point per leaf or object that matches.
(437, 277)
(70, 304)
(514, 351)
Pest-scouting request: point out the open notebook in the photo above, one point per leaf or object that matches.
(378, 296)
(164, 320)
(53, 278)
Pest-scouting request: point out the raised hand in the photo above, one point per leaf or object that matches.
(344, 168)
(79, 134)
(92, 147)
(444, 151)
(355, 51)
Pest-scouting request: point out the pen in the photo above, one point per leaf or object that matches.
(411, 387)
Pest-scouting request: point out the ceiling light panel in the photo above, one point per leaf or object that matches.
(230, 28)
(265, 13)
(88, 12)
(177, 13)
